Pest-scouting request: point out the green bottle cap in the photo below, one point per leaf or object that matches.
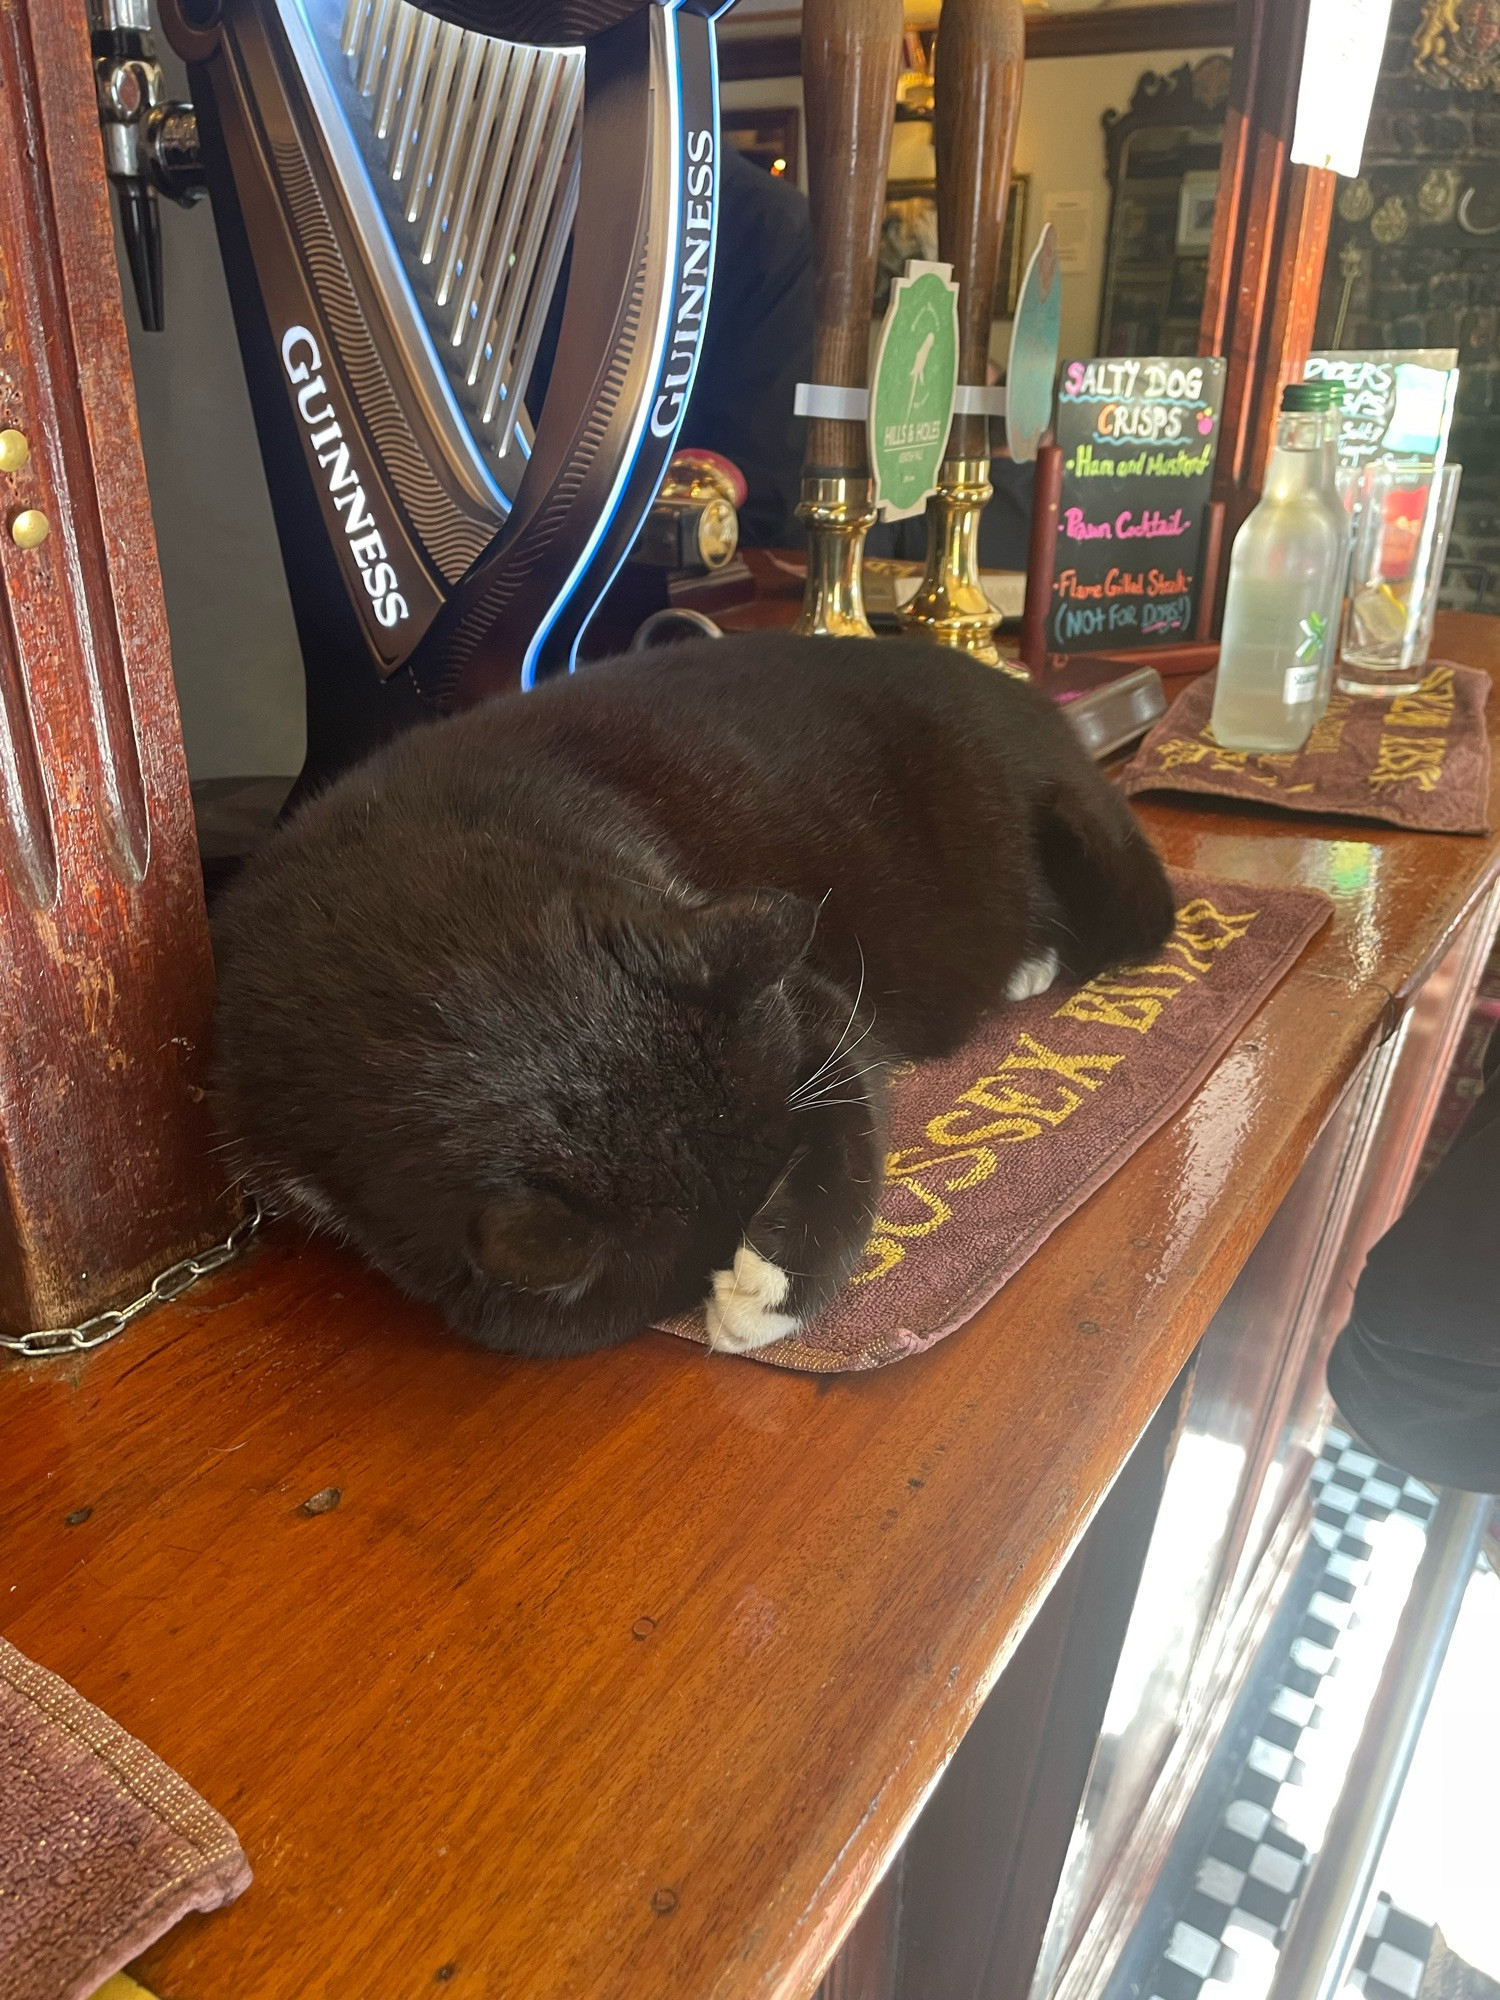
(1303, 396)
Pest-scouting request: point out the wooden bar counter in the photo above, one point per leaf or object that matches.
(628, 1676)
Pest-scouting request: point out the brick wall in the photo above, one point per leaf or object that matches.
(1423, 280)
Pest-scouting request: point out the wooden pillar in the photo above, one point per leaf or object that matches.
(1266, 263)
(106, 979)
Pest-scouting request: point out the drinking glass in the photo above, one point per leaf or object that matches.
(1403, 523)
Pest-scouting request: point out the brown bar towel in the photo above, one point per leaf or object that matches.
(1417, 760)
(992, 1148)
(102, 1847)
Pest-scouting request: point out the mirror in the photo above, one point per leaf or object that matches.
(1163, 168)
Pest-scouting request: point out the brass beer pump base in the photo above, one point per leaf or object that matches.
(951, 606)
(837, 513)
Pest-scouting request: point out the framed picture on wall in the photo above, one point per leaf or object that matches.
(910, 230)
(771, 138)
(1196, 201)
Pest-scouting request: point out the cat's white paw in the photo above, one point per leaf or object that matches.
(742, 1311)
(1032, 976)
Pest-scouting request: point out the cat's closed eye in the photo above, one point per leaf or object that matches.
(535, 1241)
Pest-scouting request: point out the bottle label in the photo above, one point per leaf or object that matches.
(1312, 635)
(1300, 685)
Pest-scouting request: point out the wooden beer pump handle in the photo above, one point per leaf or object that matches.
(981, 51)
(851, 60)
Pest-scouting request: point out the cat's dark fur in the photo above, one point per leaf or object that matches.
(562, 1009)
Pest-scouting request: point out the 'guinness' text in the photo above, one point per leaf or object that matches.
(302, 360)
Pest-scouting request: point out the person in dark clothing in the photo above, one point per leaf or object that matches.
(1417, 1370)
(757, 346)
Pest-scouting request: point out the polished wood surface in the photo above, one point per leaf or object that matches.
(105, 976)
(627, 1675)
(868, 1965)
(976, 105)
(851, 58)
(1307, 212)
(1179, 24)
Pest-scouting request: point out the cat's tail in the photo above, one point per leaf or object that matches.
(1114, 900)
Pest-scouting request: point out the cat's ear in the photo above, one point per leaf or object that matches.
(533, 1239)
(723, 952)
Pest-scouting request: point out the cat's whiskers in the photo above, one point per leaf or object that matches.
(834, 1079)
(841, 1081)
(838, 1048)
(822, 1075)
(841, 1053)
(859, 995)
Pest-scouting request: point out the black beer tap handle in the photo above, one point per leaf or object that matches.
(140, 225)
(148, 145)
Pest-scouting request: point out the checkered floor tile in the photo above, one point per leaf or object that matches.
(1228, 1929)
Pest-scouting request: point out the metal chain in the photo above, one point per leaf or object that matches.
(168, 1284)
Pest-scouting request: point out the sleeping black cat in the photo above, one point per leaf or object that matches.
(573, 1012)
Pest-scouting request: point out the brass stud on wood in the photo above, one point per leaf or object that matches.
(15, 450)
(30, 528)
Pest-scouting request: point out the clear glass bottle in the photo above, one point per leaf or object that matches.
(1282, 573)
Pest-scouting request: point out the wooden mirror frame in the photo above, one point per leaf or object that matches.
(1265, 268)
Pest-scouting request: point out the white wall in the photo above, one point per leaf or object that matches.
(234, 648)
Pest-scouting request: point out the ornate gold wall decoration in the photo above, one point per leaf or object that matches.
(1391, 220)
(1356, 200)
(1457, 43)
(1437, 194)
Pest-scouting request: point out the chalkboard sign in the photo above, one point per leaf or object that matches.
(1137, 437)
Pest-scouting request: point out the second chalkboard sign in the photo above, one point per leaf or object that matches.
(1138, 436)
